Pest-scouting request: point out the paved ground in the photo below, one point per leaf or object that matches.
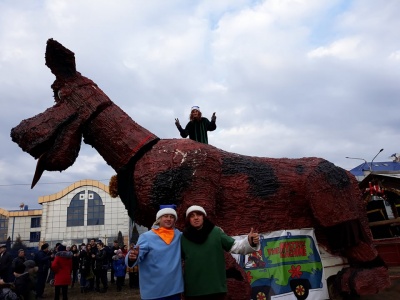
(392, 293)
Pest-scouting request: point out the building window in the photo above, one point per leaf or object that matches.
(95, 214)
(35, 222)
(76, 210)
(3, 228)
(34, 237)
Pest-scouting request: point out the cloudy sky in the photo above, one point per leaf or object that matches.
(286, 78)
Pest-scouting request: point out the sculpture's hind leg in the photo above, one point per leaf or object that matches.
(346, 230)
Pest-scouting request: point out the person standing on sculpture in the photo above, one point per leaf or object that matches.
(203, 247)
(158, 254)
(198, 126)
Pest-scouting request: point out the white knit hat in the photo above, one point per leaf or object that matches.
(166, 211)
(195, 107)
(195, 208)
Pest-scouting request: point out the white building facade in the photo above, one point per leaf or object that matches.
(80, 212)
(83, 211)
(22, 224)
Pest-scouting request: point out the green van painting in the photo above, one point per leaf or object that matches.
(288, 264)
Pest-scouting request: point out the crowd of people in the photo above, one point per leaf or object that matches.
(165, 264)
(62, 267)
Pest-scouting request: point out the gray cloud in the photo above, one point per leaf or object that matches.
(286, 78)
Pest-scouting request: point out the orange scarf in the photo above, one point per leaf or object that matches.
(166, 234)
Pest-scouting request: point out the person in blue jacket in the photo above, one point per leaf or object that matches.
(158, 254)
(119, 268)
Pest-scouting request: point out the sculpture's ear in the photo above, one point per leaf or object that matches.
(59, 59)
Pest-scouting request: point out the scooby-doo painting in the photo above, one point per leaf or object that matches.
(238, 192)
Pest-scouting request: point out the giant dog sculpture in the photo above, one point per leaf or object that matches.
(237, 191)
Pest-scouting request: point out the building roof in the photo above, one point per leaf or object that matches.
(70, 188)
(376, 167)
(20, 213)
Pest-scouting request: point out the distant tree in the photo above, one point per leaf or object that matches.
(134, 235)
(18, 244)
(120, 239)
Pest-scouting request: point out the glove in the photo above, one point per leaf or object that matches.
(177, 123)
(213, 117)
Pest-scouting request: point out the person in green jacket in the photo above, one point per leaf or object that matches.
(198, 126)
(203, 245)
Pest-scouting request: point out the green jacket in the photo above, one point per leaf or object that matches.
(204, 271)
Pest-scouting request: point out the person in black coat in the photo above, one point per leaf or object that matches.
(198, 126)
(85, 269)
(42, 260)
(5, 264)
(20, 259)
(75, 264)
(101, 266)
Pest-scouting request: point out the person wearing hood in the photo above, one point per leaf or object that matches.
(22, 281)
(203, 248)
(119, 268)
(158, 254)
(62, 268)
(31, 269)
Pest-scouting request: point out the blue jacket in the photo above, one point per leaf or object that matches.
(119, 267)
(160, 266)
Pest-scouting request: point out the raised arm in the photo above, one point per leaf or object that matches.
(183, 132)
(247, 245)
(212, 125)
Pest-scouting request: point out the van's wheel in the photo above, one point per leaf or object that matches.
(300, 288)
(261, 293)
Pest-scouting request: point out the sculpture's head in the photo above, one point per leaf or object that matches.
(54, 136)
